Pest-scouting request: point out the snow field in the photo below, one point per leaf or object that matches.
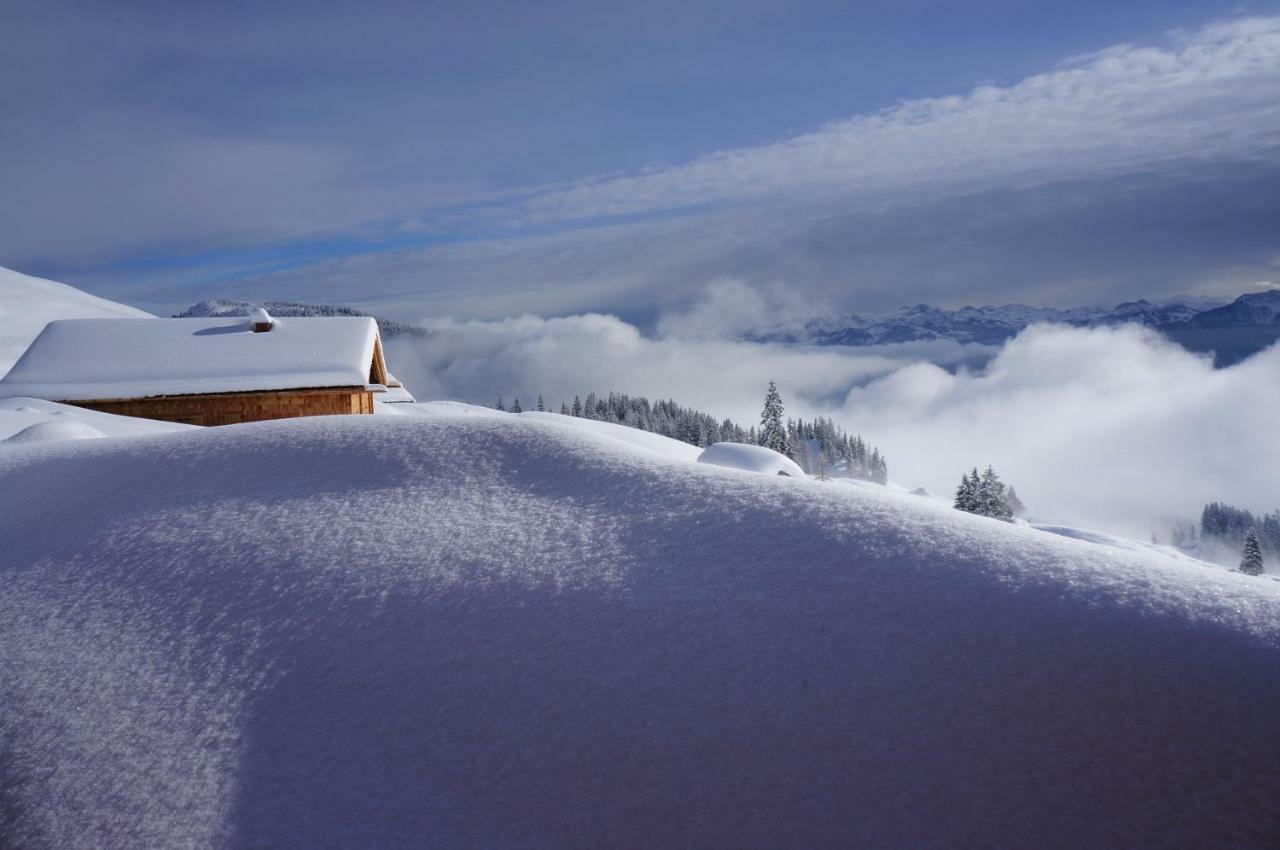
(464, 630)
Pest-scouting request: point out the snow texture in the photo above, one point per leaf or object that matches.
(750, 458)
(460, 629)
(28, 303)
(82, 359)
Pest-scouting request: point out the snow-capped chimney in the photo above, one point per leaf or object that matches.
(260, 320)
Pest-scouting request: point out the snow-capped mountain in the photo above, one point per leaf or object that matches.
(1254, 308)
(982, 325)
(222, 308)
(28, 303)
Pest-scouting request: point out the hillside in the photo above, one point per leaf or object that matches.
(460, 628)
(28, 303)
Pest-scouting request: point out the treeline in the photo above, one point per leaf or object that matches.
(1229, 525)
(819, 446)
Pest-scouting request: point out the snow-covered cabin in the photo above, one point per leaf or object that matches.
(208, 371)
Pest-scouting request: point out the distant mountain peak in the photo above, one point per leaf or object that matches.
(224, 307)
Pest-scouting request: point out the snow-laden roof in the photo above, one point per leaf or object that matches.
(83, 359)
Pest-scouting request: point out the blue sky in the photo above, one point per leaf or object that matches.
(484, 159)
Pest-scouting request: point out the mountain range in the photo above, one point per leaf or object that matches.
(1232, 331)
(222, 308)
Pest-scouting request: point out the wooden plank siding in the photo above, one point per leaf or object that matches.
(232, 408)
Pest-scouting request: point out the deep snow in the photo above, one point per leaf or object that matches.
(475, 630)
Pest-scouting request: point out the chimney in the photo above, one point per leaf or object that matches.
(260, 321)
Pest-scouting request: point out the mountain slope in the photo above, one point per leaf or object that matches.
(498, 631)
(28, 303)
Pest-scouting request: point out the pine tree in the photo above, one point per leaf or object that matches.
(992, 501)
(1251, 559)
(773, 431)
(577, 406)
(542, 408)
(499, 406)
(515, 407)
(967, 493)
(564, 409)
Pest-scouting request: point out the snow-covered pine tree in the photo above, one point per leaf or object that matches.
(577, 406)
(515, 407)
(499, 405)
(564, 409)
(992, 501)
(542, 408)
(1251, 558)
(773, 430)
(967, 493)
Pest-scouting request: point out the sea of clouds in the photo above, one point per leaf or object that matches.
(1110, 428)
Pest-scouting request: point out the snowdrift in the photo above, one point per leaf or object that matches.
(750, 459)
(496, 631)
(64, 421)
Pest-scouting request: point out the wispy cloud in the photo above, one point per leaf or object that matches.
(1204, 96)
(1134, 170)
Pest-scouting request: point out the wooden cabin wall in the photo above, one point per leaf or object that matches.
(232, 408)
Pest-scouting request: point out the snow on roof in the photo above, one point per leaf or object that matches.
(84, 359)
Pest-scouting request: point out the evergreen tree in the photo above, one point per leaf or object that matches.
(542, 408)
(577, 406)
(499, 406)
(1251, 559)
(967, 493)
(773, 431)
(992, 501)
(515, 407)
(564, 409)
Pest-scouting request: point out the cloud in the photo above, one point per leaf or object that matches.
(1134, 171)
(729, 309)
(1208, 95)
(1115, 429)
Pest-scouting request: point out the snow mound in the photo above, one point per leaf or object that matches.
(50, 432)
(498, 631)
(17, 414)
(27, 304)
(751, 459)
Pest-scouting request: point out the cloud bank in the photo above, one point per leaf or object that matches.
(1115, 429)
